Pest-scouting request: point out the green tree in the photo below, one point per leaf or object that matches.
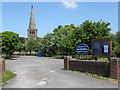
(67, 43)
(10, 42)
(116, 44)
(48, 44)
(30, 46)
(118, 37)
(39, 44)
(91, 30)
(20, 47)
(68, 37)
(65, 39)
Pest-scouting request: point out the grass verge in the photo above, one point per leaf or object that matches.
(98, 76)
(7, 75)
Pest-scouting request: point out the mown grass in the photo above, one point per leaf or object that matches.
(6, 76)
(82, 57)
(57, 57)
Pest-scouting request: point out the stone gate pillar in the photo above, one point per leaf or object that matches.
(66, 62)
(115, 68)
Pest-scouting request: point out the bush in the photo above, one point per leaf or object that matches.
(6, 57)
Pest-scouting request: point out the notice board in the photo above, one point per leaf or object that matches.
(102, 47)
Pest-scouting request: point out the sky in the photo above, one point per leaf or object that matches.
(119, 16)
(48, 15)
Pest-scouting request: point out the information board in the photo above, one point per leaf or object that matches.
(106, 48)
(96, 49)
(102, 47)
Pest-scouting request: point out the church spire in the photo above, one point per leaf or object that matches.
(32, 21)
(32, 6)
(32, 31)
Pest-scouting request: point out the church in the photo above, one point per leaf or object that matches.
(32, 30)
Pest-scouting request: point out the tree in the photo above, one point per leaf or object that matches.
(65, 39)
(68, 37)
(62, 39)
(118, 37)
(39, 44)
(30, 46)
(10, 42)
(116, 44)
(48, 44)
(20, 47)
(91, 30)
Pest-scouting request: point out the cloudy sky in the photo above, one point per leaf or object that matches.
(48, 15)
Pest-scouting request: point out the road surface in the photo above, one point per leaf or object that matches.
(43, 72)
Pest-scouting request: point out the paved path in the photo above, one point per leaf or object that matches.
(42, 72)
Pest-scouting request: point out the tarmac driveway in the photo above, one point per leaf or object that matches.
(42, 72)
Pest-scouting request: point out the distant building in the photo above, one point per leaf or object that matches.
(32, 30)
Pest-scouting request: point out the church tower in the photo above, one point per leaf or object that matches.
(32, 30)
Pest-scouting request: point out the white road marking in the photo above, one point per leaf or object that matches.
(52, 71)
(42, 82)
(44, 78)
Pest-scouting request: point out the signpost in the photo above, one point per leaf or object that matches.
(82, 49)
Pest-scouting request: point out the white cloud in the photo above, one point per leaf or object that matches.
(69, 4)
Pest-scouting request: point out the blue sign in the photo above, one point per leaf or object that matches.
(82, 49)
(96, 48)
